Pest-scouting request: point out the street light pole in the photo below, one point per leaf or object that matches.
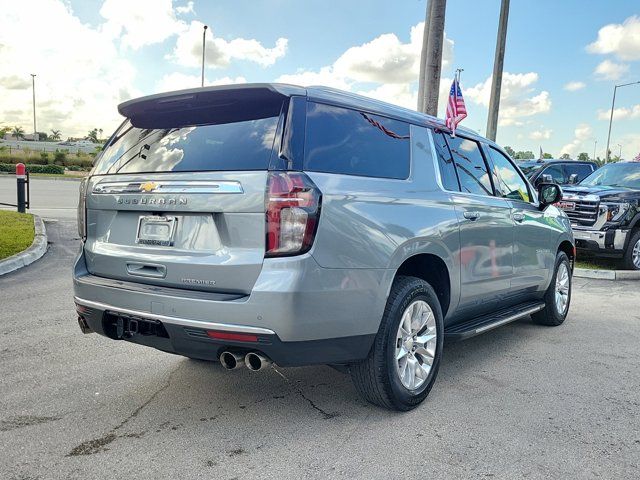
(204, 33)
(620, 152)
(595, 144)
(613, 104)
(33, 86)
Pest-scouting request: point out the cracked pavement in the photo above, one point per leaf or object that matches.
(521, 401)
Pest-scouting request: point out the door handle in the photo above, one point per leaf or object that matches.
(518, 217)
(471, 215)
(146, 270)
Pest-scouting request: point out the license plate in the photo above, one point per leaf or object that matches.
(566, 205)
(155, 230)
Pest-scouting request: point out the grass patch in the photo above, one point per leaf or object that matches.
(597, 263)
(16, 232)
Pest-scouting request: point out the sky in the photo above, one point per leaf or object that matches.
(562, 59)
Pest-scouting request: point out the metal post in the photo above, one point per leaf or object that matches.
(33, 85)
(595, 144)
(21, 183)
(433, 66)
(423, 57)
(204, 32)
(613, 104)
(496, 79)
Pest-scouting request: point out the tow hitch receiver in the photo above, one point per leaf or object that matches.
(127, 327)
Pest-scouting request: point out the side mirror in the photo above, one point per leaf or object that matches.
(546, 178)
(549, 193)
(573, 179)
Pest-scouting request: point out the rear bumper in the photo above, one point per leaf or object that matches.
(597, 241)
(303, 314)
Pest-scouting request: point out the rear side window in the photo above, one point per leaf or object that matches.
(471, 167)
(340, 140)
(445, 162)
(238, 145)
(581, 169)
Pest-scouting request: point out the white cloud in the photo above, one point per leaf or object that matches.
(220, 52)
(608, 70)
(581, 134)
(188, 8)
(621, 39)
(574, 86)
(14, 82)
(141, 22)
(180, 81)
(542, 134)
(386, 61)
(517, 97)
(620, 113)
(80, 75)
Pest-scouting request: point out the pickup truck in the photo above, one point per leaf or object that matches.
(604, 210)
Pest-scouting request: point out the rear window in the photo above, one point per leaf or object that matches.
(238, 145)
(340, 140)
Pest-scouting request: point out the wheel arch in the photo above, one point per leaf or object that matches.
(432, 269)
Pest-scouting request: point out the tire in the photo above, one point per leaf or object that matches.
(551, 314)
(378, 378)
(631, 256)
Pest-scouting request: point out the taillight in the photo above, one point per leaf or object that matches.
(292, 213)
(82, 209)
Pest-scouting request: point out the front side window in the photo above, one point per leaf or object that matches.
(556, 172)
(349, 142)
(471, 167)
(509, 183)
(582, 170)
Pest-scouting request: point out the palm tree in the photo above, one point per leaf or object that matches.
(18, 132)
(93, 135)
(55, 135)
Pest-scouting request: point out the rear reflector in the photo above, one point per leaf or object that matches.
(235, 337)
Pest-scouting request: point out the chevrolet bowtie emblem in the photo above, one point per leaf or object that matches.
(148, 187)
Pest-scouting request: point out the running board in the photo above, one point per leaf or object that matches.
(482, 324)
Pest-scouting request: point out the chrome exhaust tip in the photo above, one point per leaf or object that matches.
(256, 362)
(230, 360)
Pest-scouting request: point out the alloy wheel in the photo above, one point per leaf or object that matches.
(563, 287)
(416, 342)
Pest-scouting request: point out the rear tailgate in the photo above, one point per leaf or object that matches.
(177, 198)
(205, 234)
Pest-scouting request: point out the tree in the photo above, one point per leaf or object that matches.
(93, 135)
(528, 155)
(510, 151)
(18, 132)
(100, 132)
(547, 156)
(565, 156)
(583, 156)
(55, 135)
(4, 131)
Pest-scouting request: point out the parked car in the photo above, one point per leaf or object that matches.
(562, 172)
(605, 212)
(270, 223)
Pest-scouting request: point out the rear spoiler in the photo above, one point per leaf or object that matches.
(208, 105)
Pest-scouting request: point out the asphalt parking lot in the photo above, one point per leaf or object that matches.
(521, 401)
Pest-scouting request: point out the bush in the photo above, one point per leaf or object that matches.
(59, 157)
(31, 168)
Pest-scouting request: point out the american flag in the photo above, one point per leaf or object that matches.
(456, 111)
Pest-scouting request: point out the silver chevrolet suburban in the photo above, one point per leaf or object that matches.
(271, 223)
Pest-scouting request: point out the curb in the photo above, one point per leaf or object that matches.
(606, 274)
(37, 249)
